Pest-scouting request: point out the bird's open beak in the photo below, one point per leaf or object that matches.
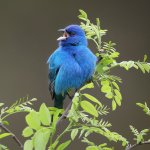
(65, 35)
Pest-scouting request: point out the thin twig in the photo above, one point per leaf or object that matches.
(12, 134)
(135, 145)
(67, 109)
(64, 114)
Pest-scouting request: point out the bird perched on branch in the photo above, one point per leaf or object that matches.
(71, 65)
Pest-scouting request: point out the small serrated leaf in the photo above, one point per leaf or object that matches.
(74, 133)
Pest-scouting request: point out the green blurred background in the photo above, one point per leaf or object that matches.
(28, 33)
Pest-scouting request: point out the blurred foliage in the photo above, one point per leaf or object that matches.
(87, 113)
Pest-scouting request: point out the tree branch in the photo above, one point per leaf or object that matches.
(65, 113)
(67, 109)
(12, 134)
(129, 147)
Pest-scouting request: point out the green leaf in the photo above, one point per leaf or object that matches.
(115, 85)
(74, 133)
(141, 67)
(87, 86)
(85, 140)
(124, 143)
(3, 135)
(1, 104)
(145, 130)
(146, 67)
(89, 108)
(104, 82)
(33, 120)
(41, 139)
(3, 147)
(141, 105)
(134, 130)
(87, 133)
(55, 115)
(106, 89)
(53, 145)
(44, 115)
(113, 105)
(146, 109)
(118, 100)
(5, 122)
(81, 133)
(98, 21)
(92, 98)
(28, 145)
(92, 148)
(83, 13)
(124, 64)
(118, 94)
(145, 58)
(64, 145)
(114, 55)
(130, 64)
(27, 132)
(135, 66)
(75, 102)
(109, 95)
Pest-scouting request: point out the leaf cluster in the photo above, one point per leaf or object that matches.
(139, 136)
(21, 105)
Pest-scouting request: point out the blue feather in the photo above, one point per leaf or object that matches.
(71, 65)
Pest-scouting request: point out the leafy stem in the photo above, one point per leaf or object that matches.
(129, 147)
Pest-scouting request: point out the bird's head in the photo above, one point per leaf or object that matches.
(73, 35)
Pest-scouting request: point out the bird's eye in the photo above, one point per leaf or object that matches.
(71, 33)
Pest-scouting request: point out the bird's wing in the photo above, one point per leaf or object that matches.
(70, 76)
(64, 73)
(52, 76)
(55, 62)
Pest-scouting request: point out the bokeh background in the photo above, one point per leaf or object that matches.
(28, 33)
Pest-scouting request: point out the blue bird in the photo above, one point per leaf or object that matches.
(71, 65)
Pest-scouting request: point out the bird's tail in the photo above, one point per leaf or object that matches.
(58, 101)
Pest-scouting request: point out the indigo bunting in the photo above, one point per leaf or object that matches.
(71, 65)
